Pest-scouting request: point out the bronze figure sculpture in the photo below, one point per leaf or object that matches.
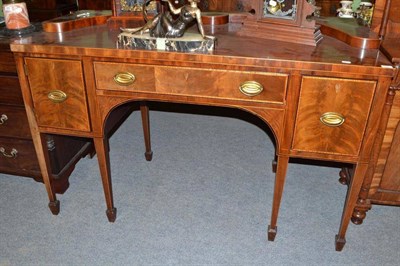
(163, 25)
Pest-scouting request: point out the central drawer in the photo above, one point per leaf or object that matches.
(227, 84)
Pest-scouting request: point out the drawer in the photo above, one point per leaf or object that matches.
(13, 122)
(10, 90)
(17, 156)
(58, 92)
(227, 84)
(7, 62)
(332, 115)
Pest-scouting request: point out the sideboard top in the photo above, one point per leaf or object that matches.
(100, 41)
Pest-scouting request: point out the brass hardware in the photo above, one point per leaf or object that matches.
(124, 78)
(57, 96)
(12, 154)
(332, 119)
(251, 88)
(3, 119)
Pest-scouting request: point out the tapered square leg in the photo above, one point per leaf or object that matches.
(144, 110)
(280, 176)
(111, 214)
(339, 243)
(272, 233)
(101, 146)
(54, 207)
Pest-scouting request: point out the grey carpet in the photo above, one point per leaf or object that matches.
(205, 199)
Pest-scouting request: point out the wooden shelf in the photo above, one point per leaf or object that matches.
(349, 31)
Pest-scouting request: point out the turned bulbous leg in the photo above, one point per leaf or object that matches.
(344, 179)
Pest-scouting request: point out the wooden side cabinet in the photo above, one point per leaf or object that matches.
(382, 182)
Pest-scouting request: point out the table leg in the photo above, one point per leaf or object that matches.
(144, 110)
(351, 200)
(280, 177)
(101, 146)
(40, 143)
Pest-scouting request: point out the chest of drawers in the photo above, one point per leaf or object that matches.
(17, 152)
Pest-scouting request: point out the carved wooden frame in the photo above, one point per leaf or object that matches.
(298, 30)
(258, 6)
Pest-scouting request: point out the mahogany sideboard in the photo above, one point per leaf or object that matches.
(321, 103)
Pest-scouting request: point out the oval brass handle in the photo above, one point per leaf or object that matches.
(251, 88)
(332, 119)
(57, 96)
(12, 154)
(124, 78)
(3, 119)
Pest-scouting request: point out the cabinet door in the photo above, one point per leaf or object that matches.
(58, 93)
(332, 115)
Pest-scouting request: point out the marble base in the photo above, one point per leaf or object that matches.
(190, 42)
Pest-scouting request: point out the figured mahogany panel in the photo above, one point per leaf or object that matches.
(387, 169)
(16, 123)
(47, 75)
(105, 73)
(220, 83)
(390, 178)
(351, 99)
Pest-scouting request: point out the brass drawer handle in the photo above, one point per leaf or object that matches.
(251, 88)
(12, 154)
(3, 119)
(57, 96)
(332, 119)
(124, 78)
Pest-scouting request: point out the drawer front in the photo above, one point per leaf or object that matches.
(268, 87)
(10, 91)
(7, 62)
(13, 122)
(332, 115)
(17, 156)
(58, 93)
(143, 77)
